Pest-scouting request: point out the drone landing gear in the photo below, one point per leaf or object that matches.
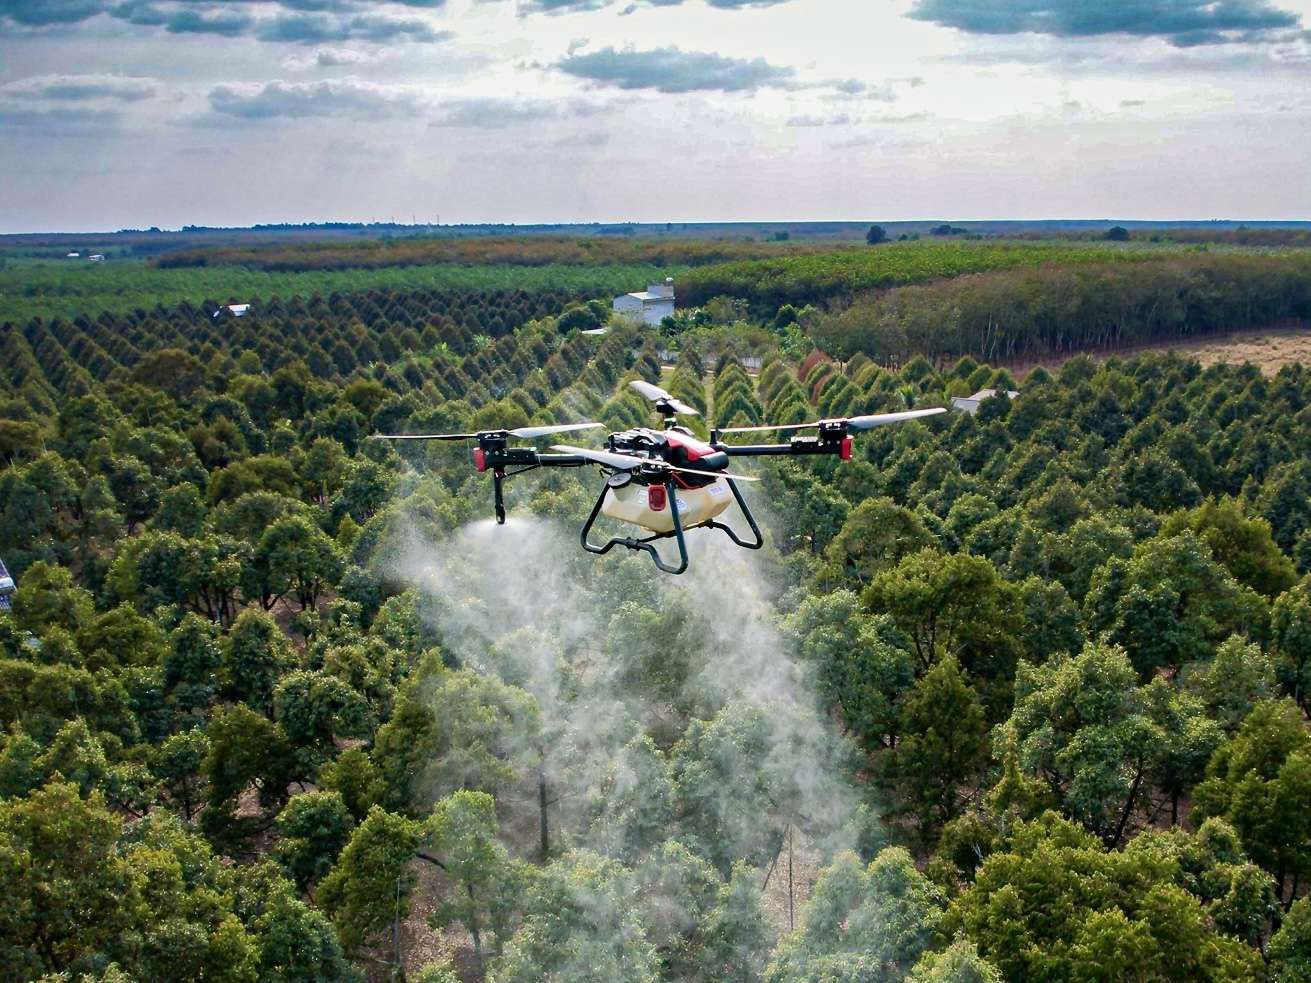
(757, 540)
(645, 544)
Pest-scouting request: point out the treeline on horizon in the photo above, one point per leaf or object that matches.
(536, 250)
(48, 290)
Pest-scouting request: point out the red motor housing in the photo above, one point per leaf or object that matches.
(479, 459)
(845, 453)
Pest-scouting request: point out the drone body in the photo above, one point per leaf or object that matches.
(643, 500)
(665, 482)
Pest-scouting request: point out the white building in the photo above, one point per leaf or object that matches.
(970, 404)
(650, 306)
(98, 258)
(236, 310)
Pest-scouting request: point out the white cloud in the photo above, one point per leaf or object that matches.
(350, 98)
(81, 88)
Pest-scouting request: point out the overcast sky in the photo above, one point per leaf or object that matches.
(131, 113)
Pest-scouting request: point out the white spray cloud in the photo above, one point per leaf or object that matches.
(525, 603)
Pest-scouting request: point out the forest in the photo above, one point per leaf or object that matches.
(1014, 695)
(514, 250)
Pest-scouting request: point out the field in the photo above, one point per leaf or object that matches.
(1004, 696)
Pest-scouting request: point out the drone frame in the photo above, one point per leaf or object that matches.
(494, 453)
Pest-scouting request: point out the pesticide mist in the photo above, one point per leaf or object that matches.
(672, 731)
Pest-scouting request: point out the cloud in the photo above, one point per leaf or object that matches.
(675, 70)
(320, 28)
(42, 13)
(81, 88)
(496, 113)
(806, 121)
(288, 21)
(1184, 23)
(331, 58)
(349, 98)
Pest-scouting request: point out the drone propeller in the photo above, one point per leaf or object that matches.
(857, 423)
(658, 395)
(525, 433)
(630, 462)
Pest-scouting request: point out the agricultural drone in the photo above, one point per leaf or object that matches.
(665, 481)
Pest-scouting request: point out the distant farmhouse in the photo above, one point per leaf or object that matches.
(970, 404)
(651, 306)
(236, 310)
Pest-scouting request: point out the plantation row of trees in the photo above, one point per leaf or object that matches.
(1070, 632)
(269, 691)
(401, 339)
(1034, 312)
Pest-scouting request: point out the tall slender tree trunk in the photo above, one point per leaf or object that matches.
(544, 832)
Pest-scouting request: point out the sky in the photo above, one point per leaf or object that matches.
(137, 113)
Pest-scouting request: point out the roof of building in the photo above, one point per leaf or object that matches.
(647, 297)
(972, 402)
(7, 587)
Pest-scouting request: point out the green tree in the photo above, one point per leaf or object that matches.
(312, 710)
(1290, 629)
(256, 655)
(245, 751)
(861, 922)
(1290, 948)
(1054, 904)
(944, 743)
(581, 922)
(953, 605)
(294, 555)
(313, 828)
(1243, 546)
(1260, 782)
(1081, 725)
(878, 533)
(462, 833)
(68, 894)
(373, 877)
(1170, 604)
(178, 764)
(960, 962)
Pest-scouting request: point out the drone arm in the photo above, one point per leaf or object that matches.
(562, 461)
(800, 445)
(525, 458)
